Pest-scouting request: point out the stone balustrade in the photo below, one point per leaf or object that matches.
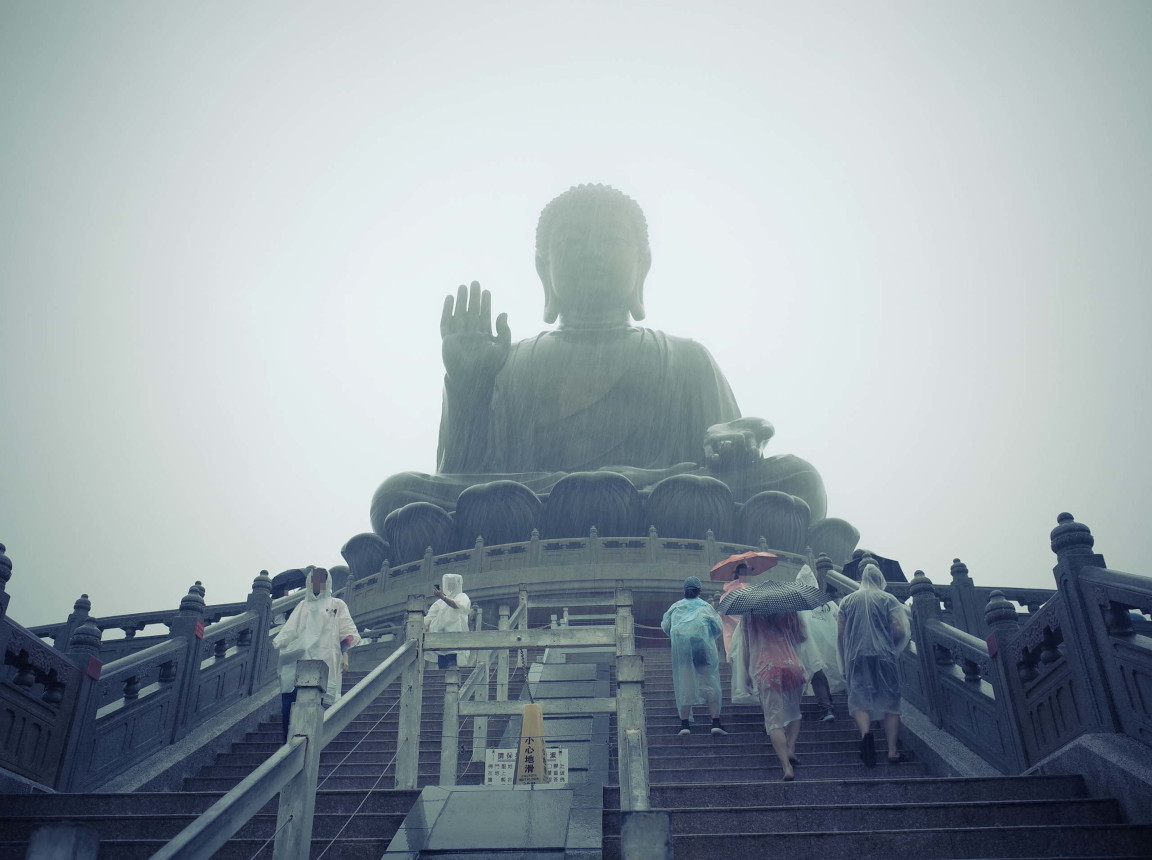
(1030, 672)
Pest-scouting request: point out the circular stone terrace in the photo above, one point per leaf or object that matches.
(653, 567)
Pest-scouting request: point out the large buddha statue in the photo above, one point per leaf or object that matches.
(596, 422)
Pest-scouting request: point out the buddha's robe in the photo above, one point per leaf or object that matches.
(568, 402)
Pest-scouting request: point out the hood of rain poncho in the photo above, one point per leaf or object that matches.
(875, 622)
(693, 625)
(452, 584)
(820, 613)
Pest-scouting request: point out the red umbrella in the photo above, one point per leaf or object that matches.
(757, 561)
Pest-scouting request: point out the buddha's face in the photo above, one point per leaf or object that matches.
(594, 260)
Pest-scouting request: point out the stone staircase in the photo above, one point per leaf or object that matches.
(726, 798)
(355, 805)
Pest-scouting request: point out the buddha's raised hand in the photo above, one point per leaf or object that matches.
(472, 354)
(736, 444)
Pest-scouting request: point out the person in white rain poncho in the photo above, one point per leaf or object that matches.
(319, 628)
(820, 651)
(693, 626)
(873, 629)
(449, 614)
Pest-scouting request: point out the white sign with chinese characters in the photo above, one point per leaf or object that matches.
(500, 766)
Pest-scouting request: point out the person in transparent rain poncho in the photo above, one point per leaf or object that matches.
(776, 676)
(319, 628)
(449, 614)
(743, 690)
(873, 629)
(820, 651)
(693, 626)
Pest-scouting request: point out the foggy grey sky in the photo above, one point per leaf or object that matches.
(915, 236)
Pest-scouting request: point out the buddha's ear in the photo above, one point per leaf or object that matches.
(636, 302)
(551, 311)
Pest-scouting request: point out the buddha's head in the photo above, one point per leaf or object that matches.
(592, 253)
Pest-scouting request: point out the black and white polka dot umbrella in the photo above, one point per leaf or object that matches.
(772, 598)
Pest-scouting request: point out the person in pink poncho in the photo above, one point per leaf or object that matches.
(743, 692)
(775, 674)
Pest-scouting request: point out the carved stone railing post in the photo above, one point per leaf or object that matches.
(593, 546)
(1003, 626)
(298, 798)
(926, 607)
(534, 550)
(81, 612)
(653, 545)
(1072, 542)
(450, 734)
(411, 698)
(263, 661)
(823, 565)
(5, 575)
(522, 624)
(710, 554)
(477, 565)
(188, 625)
(480, 694)
(502, 660)
(426, 564)
(84, 651)
(631, 738)
(967, 613)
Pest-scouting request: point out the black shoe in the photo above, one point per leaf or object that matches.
(868, 750)
(718, 729)
(684, 728)
(828, 717)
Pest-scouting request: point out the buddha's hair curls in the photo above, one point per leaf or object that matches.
(590, 196)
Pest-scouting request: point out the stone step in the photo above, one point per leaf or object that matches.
(58, 806)
(1088, 840)
(762, 757)
(882, 788)
(913, 816)
(427, 776)
(362, 825)
(235, 849)
(676, 746)
(736, 774)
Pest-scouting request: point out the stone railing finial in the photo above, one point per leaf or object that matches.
(921, 586)
(262, 584)
(82, 606)
(1000, 613)
(1070, 537)
(85, 639)
(959, 571)
(193, 601)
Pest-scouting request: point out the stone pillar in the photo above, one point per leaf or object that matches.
(502, 661)
(925, 608)
(967, 614)
(450, 734)
(187, 625)
(823, 566)
(263, 657)
(298, 798)
(477, 565)
(84, 651)
(411, 698)
(1003, 625)
(1072, 542)
(5, 575)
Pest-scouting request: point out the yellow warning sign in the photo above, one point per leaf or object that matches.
(531, 765)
